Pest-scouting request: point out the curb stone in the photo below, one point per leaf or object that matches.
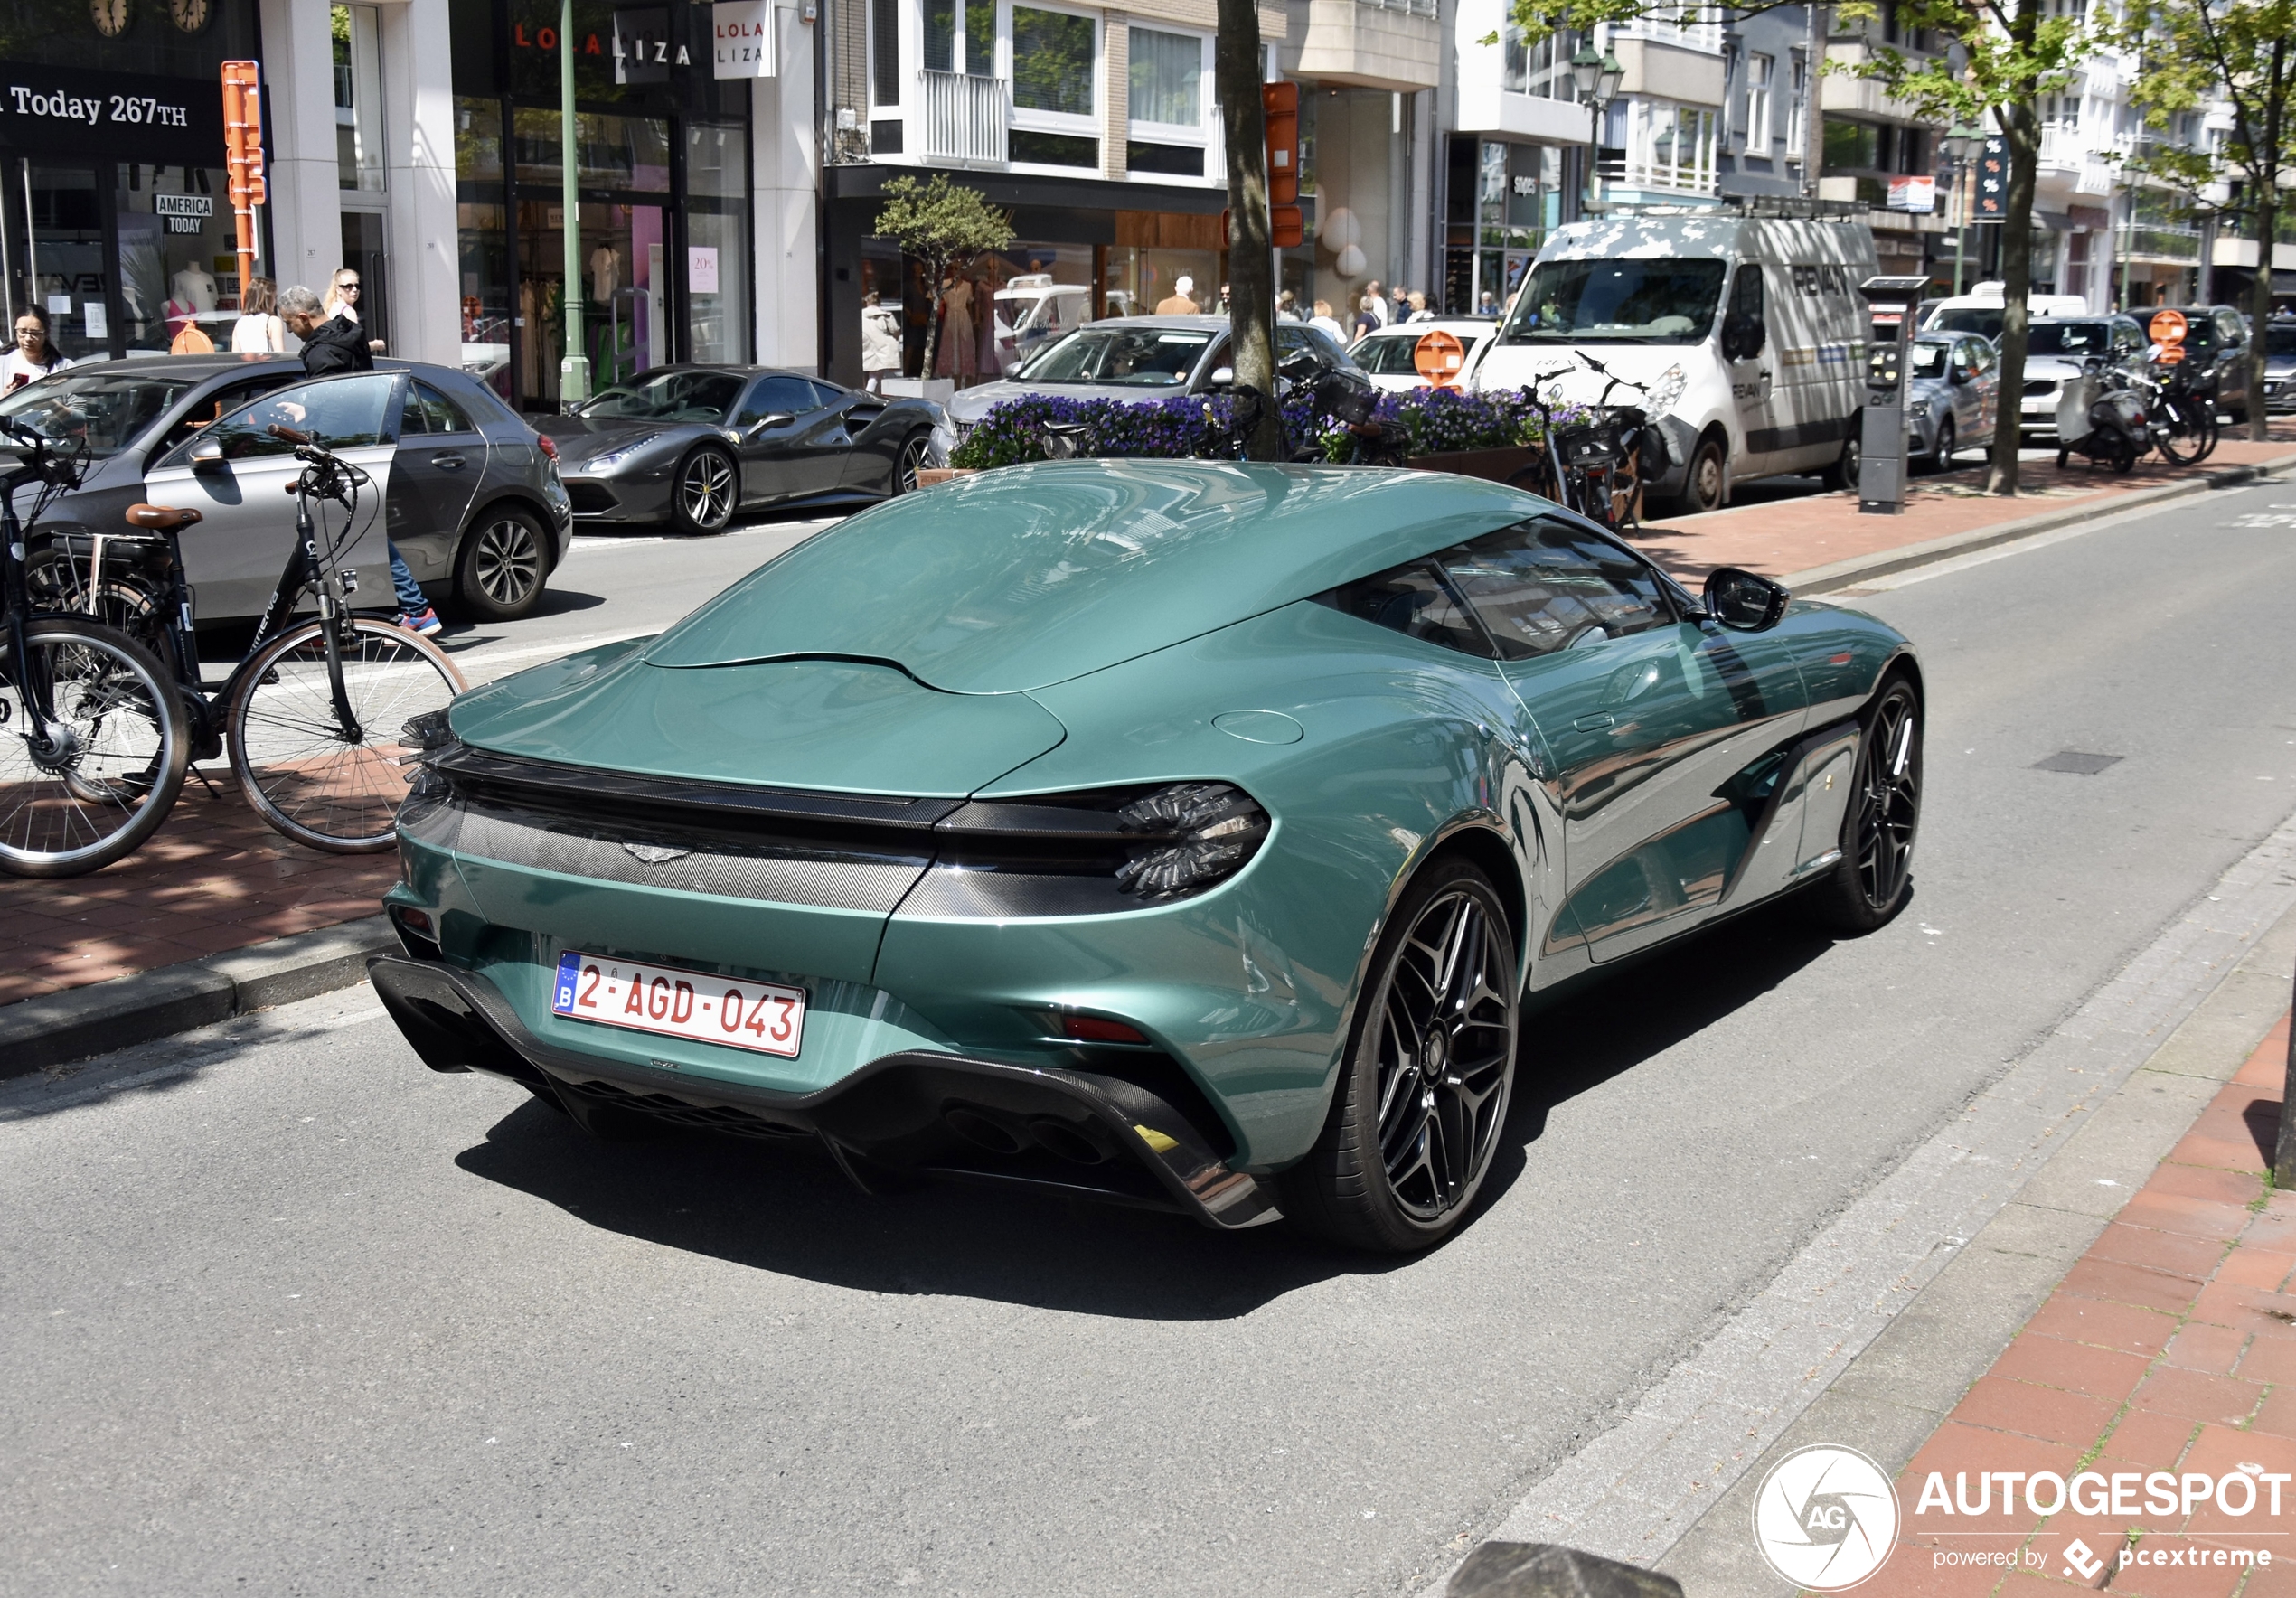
(57, 1027)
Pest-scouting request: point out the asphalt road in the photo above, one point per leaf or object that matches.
(283, 1312)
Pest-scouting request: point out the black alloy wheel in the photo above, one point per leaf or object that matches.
(1423, 1094)
(1874, 878)
(707, 492)
(915, 450)
(500, 569)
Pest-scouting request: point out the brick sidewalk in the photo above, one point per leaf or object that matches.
(2171, 1347)
(216, 879)
(1782, 536)
(212, 878)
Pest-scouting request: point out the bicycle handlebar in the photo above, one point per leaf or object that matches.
(292, 435)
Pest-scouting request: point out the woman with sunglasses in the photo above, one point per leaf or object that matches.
(343, 293)
(34, 356)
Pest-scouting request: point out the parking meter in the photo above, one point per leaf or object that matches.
(1881, 469)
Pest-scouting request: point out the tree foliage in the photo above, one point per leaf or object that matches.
(2193, 53)
(946, 226)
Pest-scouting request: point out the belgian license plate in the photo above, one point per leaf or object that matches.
(735, 1012)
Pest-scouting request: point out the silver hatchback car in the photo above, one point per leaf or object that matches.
(1953, 396)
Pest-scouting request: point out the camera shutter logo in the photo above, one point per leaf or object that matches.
(1826, 1517)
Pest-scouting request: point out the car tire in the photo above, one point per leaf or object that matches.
(1442, 975)
(916, 449)
(1875, 876)
(1842, 475)
(1705, 482)
(704, 491)
(502, 564)
(1942, 457)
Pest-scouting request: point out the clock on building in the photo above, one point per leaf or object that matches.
(190, 16)
(110, 16)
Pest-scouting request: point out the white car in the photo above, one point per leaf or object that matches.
(1032, 311)
(1386, 354)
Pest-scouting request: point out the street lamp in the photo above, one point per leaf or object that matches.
(1596, 77)
(1961, 142)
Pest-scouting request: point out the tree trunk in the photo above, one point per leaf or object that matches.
(933, 320)
(2021, 134)
(1237, 64)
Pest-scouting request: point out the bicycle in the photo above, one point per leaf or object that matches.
(1598, 469)
(299, 714)
(94, 744)
(2182, 413)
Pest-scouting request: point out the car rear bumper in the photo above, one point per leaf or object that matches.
(922, 1111)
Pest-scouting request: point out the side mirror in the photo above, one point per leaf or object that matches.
(1964, 377)
(1743, 602)
(206, 456)
(1223, 377)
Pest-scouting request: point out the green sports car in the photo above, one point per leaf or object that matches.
(1188, 834)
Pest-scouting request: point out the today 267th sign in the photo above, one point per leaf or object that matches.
(116, 116)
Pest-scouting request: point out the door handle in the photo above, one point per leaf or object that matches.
(1594, 723)
(446, 459)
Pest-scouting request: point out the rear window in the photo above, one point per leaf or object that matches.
(1985, 321)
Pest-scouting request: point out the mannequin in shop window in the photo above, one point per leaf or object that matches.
(35, 356)
(959, 357)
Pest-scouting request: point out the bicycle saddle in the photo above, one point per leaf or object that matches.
(161, 518)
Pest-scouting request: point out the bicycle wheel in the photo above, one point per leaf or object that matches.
(2186, 438)
(57, 585)
(319, 784)
(2205, 407)
(108, 772)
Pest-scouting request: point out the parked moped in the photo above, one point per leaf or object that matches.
(2102, 416)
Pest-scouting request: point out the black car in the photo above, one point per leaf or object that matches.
(693, 445)
(2216, 344)
(469, 494)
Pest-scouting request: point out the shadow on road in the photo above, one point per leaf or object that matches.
(784, 1208)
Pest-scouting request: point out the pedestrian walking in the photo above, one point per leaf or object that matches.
(259, 328)
(1327, 321)
(35, 354)
(1181, 301)
(1376, 302)
(344, 292)
(1419, 312)
(330, 347)
(880, 343)
(1367, 319)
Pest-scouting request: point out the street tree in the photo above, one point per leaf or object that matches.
(1237, 70)
(946, 227)
(2195, 54)
(2005, 55)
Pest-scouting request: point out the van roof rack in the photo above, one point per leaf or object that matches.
(1782, 207)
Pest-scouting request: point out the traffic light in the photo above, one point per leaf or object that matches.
(1280, 104)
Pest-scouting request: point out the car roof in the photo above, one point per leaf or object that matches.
(1067, 567)
(1480, 326)
(1199, 322)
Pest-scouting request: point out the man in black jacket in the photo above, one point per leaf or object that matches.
(330, 348)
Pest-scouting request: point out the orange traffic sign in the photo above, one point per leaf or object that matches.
(1439, 355)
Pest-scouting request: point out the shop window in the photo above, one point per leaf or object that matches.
(1167, 78)
(613, 152)
(178, 260)
(1052, 61)
(358, 98)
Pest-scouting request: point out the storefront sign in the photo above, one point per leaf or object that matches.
(1917, 194)
(742, 38)
(642, 46)
(116, 116)
(1993, 181)
(701, 268)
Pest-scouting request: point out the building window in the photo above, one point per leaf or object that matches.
(1167, 78)
(358, 98)
(1542, 69)
(960, 36)
(1758, 68)
(1671, 147)
(1052, 61)
(1798, 111)
(885, 53)
(1852, 145)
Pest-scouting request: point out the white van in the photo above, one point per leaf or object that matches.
(1757, 320)
(1980, 310)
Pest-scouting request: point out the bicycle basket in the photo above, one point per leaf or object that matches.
(1587, 447)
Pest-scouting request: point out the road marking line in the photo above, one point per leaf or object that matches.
(1633, 1490)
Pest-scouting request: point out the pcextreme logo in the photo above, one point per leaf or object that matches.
(1825, 1518)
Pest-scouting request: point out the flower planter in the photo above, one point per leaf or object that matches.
(926, 476)
(1495, 465)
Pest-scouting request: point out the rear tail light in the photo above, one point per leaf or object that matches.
(1203, 832)
(1094, 1028)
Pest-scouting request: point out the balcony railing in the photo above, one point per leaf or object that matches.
(2180, 244)
(965, 117)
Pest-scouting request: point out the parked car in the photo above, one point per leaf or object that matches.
(1388, 353)
(2215, 346)
(1952, 395)
(2279, 367)
(2056, 347)
(1129, 358)
(467, 490)
(1188, 833)
(1979, 311)
(693, 446)
(1032, 310)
